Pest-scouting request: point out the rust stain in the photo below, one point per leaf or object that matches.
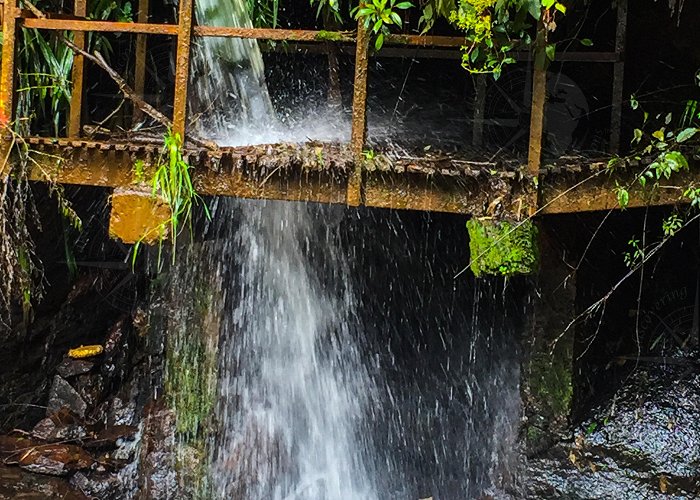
(9, 29)
(76, 102)
(359, 114)
(182, 69)
(138, 216)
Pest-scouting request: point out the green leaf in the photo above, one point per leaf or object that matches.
(408, 5)
(676, 160)
(561, 8)
(658, 134)
(637, 136)
(586, 42)
(634, 104)
(379, 42)
(686, 134)
(550, 50)
(623, 197)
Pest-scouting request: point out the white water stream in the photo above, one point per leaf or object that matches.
(310, 406)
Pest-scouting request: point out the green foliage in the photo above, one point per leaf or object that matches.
(329, 9)
(45, 64)
(494, 28)
(434, 9)
(378, 15)
(502, 248)
(635, 254)
(172, 183)
(264, 13)
(44, 82)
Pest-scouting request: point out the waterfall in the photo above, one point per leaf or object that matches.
(292, 385)
(227, 85)
(341, 375)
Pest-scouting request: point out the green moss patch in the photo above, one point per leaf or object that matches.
(502, 248)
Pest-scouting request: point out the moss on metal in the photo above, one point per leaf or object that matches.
(501, 247)
(330, 36)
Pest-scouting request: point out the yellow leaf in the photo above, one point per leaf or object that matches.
(85, 351)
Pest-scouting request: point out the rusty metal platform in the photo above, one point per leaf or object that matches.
(321, 172)
(333, 173)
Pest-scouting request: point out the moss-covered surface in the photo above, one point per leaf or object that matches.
(502, 247)
(191, 370)
(330, 36)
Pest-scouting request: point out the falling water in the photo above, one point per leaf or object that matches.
(341, 375)
(228, 88)
(292, 385)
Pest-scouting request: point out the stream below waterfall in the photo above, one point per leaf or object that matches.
(336, 380)
(351, 365)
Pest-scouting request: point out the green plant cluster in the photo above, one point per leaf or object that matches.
(494, 28)
(378, 15)
(665, 141)
(172, 183)
(502, 248)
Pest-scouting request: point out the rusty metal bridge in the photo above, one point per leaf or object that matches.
(323, 172)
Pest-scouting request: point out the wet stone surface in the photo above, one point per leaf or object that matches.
(644, 443)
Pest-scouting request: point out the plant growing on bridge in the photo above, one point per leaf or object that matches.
(378, 15)
(494, 28)
(172, 183)
(501, 247)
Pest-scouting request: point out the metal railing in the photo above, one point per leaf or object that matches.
(14, 18)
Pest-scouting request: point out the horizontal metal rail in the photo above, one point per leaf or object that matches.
(317, 36)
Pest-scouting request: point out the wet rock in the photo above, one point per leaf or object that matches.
(157, 475)
(60, 426)
(112, 436)
(645, 443)
(91, 388)
(12, 446)
(55, 459)
(98, 485)
(72, 367)
(62, 394)
(16, 483)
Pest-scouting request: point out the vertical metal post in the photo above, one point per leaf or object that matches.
(78, 75)
(479, 108)
(140, 68)
(182, 69)
(7, 79)
(539, 97)
(618, 76)
(359, 114)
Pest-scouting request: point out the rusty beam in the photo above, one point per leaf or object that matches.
(321, 173)
(618, 77)
(274, 34)
(565, 193)
(182, 69)
(100, 26)
(359, 114)
(7, 79)
(140, 60)
(78, 75)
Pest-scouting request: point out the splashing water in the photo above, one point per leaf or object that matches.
(322, 394)
(292, 385)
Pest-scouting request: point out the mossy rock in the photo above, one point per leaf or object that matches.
(502, 248)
